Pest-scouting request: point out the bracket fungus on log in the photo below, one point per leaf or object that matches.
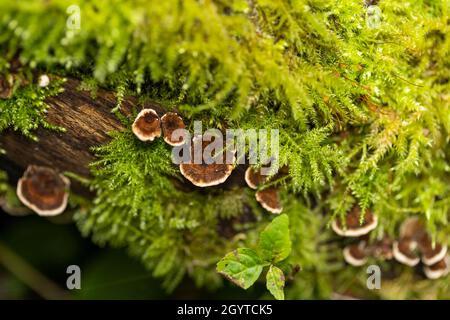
(170, 122)
(405, 251)
(43, 190)
(415, 241)
(431, 253)
(147, 125)
(352, 226)
(269, 199)
(254, 178)
(356, 254)
(207, 170)
(438, 270)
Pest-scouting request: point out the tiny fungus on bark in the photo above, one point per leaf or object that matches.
(6, 87)
(254, 178)
(169, 123)
(439, 269)
(269, 199)
(415, 241)
(406, 251)
(209, 171)
(356, 254)
(43, 190)
(431, 253)
(352, 226)
(43, 80)
(147, 125)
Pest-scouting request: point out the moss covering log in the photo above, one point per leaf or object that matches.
(359, 95)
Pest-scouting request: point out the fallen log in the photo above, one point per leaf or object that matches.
(87, 121)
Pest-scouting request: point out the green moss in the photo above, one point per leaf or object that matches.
(25, 111)
(363, 115)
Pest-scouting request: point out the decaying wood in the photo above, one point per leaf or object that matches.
(87, 121)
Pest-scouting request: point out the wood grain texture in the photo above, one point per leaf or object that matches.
(87, 121)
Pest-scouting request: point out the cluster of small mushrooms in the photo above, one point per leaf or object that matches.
(148, 126)
(268, 197)
(45, 191)
(413, 246)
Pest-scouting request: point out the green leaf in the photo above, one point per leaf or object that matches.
(275, 282)
(274, 242)
(242, 266)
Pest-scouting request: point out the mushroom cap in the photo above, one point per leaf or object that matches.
(254, 178)
(352, 223)
(404, 251)
(169, 123)
(431, 254)
(355, 254)
(269, 200)
(439, 269)
(206, 174)
(43, 190)
(147, 125)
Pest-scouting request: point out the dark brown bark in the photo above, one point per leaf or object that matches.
(87, 121)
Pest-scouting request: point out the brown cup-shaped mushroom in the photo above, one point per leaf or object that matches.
(269, 200)
(206, 174)
(431, 254)
(169, 123)
(43, 190)
(353, 227)
(254, 178)
(356, 254)
(147, 125)
(405, 251)
(439, 269)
